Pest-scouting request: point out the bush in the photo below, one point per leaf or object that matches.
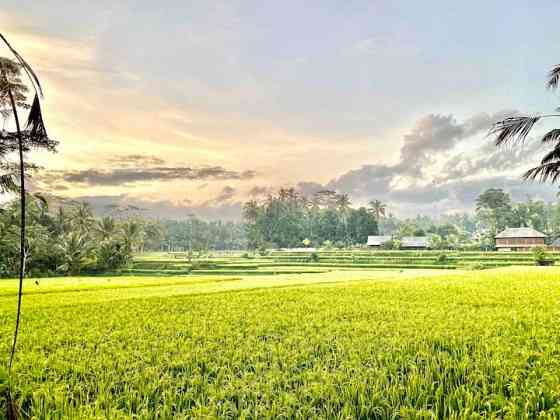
(541, 257)
(263, 250)
(314, 257)
(442, 259)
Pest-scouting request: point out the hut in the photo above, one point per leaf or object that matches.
(377, 241)
(415, 242)
(519, 239)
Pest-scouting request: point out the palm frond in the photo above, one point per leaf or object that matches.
(553, 77)
(544, 172)
(35, 125)
(549, 169)
(27, 68)
(551, 136)
(513, 129)
(8, 183)
(41, 199)
(551, 156)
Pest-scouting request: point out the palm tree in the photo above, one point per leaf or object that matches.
(515, 129)
(106, 228)
(62, 220)
(154, 233)
(12, 97)
(342, 203)
(378, 209)
(82, 218)
(251, 211)
(133, 235)
(74, 248)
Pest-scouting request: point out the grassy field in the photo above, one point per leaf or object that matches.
(336, 344)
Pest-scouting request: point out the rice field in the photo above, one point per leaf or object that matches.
(354, 343)
(279, 262)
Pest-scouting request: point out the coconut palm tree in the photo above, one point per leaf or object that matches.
(378, 209)
(106, 228)
(342, 203)
(82, 217)
(515, 130)
(74, 247)
(133, 235)
(251, 211)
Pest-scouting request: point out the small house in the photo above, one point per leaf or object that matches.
(519, 239)
(377, 241)
(415, 242)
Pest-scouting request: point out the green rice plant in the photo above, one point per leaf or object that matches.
(344, 344)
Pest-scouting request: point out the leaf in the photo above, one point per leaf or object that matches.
(553, 77)
(551, 136)
(28, 70)
(513, 129)
(549, 169)
(35, 125)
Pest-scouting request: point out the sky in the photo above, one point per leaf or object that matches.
(184, 107)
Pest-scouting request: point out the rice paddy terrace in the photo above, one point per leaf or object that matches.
(286, 262)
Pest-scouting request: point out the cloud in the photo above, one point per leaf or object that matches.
(431, 134)
(136, 160)
(259, 191)
(132, 175)
(366, 181)
(164, 209)
(443, 165)
(225, 195)
(435, 134)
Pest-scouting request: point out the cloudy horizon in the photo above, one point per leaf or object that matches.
(191, 109)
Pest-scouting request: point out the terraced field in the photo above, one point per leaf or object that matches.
(285, 262)
(347, 343)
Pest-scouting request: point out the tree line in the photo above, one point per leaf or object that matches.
(289, 219)
(69, 240)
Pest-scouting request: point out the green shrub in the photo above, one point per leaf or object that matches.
(314, 257)
(541, 257)
(442, 259)
(263, 251)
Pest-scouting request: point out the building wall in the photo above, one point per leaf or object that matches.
(519, 242)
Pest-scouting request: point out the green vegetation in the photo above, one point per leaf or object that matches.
(341, 344)
(288, 218)
(541, 257)
(276, 262)
(69, 240)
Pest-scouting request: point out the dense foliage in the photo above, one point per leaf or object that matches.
(484, 347)
(287, 219)
(68, 240)
(194, 234)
